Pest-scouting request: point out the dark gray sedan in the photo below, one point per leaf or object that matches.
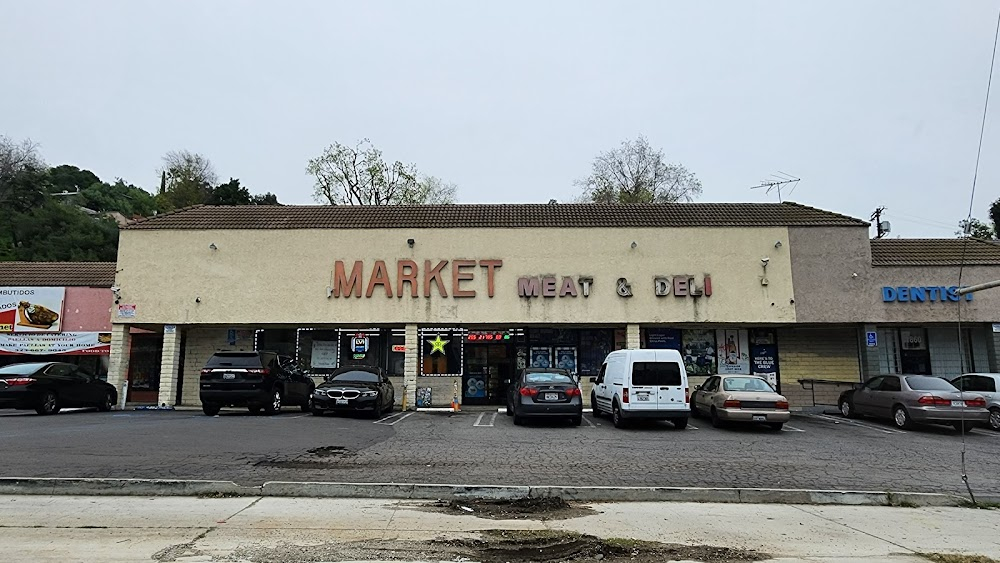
(543, 392)
(907, 400)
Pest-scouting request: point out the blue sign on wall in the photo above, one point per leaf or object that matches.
(872, 339)
(663, 338)
(922, 294)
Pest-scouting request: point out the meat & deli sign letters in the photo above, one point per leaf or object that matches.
(469, 278)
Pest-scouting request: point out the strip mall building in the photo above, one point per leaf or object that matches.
(452, 300)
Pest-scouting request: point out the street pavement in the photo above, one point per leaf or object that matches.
(484, 448)
(120, 529)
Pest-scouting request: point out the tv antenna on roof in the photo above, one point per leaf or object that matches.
(778, 181)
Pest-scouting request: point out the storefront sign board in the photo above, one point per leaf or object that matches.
(126, 311)
(31, 309)
(324, 354)
(922, 294)
(66, 343)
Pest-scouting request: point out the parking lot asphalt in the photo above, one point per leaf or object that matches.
(483, 448)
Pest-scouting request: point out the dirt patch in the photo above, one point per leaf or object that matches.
(325, 457)
(517, 509)
(327, 451)
(955, 558)
(502, 546)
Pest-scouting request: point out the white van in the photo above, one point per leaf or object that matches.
(650, 384)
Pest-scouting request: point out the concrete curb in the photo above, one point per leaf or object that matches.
(417, 491)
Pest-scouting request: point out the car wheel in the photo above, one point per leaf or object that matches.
(108, 403)
(847, 409)
(510, 409)
(518, 420)
(680, 423)
(716, 421)
(49, 404)
(964, 426)
(274, 405)
(577, 420)
(210, 409)
(995, 418)
(616, 416)
(901, 418)
(316, 411)
(593, 405)
(776, 426)
(308, 404)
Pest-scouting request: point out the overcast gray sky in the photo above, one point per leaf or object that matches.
(870, 103)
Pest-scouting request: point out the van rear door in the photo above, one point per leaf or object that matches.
(665, 379)
(642, 389)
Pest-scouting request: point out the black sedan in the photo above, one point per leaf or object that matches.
(539, 392)
(355, 389)
(50, 386)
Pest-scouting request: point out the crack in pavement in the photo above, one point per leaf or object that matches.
(852, 528)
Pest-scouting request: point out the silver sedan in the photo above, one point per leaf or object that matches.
(908, 400)
(986, 384)
(740, 398)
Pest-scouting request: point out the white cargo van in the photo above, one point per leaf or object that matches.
(650, 384)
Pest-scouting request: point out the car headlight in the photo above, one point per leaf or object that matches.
(319, 392)
(369, 393)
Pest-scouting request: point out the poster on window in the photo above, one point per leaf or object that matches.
(541, 357)
(31, 309)
(663, 339)
(913, 339)
(324, 354)
(734, 351)
(566, 359)
(699, 351)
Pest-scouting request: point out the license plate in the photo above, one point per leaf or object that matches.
(759, 418)
(958, 403)
(642, 398)
(229, 376)
(341, 401)
(552, 396)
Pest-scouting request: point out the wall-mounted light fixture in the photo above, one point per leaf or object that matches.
(197, 299)
(634, 244)
(410, 242)
(213, 247)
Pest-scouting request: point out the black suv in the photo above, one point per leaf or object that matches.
(254, 380)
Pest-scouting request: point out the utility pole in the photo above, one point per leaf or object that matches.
(880, 228)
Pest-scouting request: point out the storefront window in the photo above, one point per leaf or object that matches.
(595, 345)
(442, 351)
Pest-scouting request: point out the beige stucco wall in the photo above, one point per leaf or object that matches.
(824, 264)
(275, 277)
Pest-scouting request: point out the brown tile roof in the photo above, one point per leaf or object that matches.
(934, 252)
(41, 274)
(496, 215)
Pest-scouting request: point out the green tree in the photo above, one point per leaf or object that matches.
(68, 178)
(637, 173)
(189, 180)
(358, 175)
(23, 182)
(264, 199)
(123, 198)
(230, 193)
(56, 231)
(976, 229)
(995, 216)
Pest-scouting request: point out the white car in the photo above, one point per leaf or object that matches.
(985, 384)
(642, 384)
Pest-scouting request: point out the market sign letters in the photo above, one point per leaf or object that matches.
(411, 278)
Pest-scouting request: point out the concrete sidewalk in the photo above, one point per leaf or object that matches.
(183, 529)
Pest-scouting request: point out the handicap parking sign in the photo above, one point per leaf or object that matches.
(872, 339)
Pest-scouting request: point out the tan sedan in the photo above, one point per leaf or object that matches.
(739, 398)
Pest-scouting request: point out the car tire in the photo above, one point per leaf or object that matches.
(964, 426)
(577, 420)
(307, 406)
(716, 421)
(210, 409)
(593, 406)
(510, 410)
(901, 418)
(680, 423)
(108, 403)
(776, 426)
(616, 416)
(316, 411)
(518, 420)
(49, 404)
(274, 405)
(995, 418)
(847, 409)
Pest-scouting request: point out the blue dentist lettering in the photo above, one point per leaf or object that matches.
(922, 294)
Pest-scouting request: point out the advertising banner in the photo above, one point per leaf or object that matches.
(734, 352)
(68, 343)
(31, 309)
(324, 354)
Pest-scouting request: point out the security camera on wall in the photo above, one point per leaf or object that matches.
(764, 261)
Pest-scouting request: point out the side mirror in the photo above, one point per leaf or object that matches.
(697, 388)
(593, 380)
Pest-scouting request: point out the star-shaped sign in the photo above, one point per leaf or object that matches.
(437, 345)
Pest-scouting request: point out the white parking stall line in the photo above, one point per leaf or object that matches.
(790, 428)
(692, 427)
(399, 417)
(493, 419)
(858, 424)
(590, 422)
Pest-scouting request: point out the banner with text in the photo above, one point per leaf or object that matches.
(31, 309)
(68, 343)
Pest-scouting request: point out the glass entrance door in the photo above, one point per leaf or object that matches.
(488, 371)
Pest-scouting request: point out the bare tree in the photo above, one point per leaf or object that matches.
(359, 175)
(187, 179)
(636, 173)
(19, 159)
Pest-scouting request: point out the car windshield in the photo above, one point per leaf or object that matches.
(249, 360)
(548, 378)
(656, 373)
(356, 375)
(752, 384)
(929, 384)
(20, 369)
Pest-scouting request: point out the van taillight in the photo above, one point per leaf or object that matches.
(625, 395)
(687, 395)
